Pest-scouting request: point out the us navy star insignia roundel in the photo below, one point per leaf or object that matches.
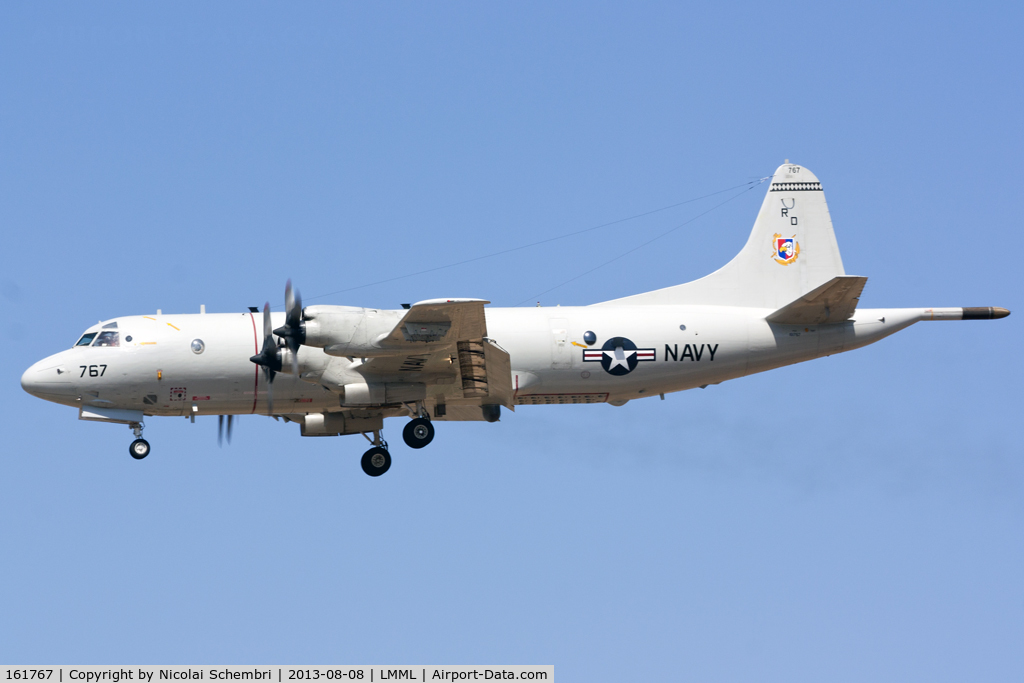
(618, 356)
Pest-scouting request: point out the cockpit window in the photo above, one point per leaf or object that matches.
(107, 338)
(110, 326)
(86, 339)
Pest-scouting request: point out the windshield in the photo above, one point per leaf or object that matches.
(86, 339)
(107, 338)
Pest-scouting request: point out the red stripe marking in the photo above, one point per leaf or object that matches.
(256, 382)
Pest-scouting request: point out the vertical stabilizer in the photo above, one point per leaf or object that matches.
(791, 251)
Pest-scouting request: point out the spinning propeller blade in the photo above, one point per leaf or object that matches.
(269, 358)
(268, 328)
(293, 331)
(220, 429)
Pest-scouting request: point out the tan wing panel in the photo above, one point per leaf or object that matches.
(443, 321)
(447, 338)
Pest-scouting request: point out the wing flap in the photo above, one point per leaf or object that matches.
(832, 302)
(499, 375)
(443, 338)
(486, 372)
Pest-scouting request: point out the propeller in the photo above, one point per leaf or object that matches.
(269, 358)
(293, 331)
(220, 428)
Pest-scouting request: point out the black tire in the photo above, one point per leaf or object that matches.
(418, 433)
(376, 461)
(139, 449)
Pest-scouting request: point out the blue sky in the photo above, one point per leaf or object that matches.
(857, 517)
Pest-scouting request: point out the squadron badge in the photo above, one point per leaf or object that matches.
(618, 356)
(786, 249)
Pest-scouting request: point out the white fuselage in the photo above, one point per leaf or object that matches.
(155, 370)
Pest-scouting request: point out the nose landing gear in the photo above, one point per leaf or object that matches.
(139, 448)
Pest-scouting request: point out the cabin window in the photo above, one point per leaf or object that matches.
(86, 339)
(107, 338)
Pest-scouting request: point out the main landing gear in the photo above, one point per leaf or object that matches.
(417, 434)
(139, 448)
(377, 460)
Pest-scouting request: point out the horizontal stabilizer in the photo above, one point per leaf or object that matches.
(832, 302)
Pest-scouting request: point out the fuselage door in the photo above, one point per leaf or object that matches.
(561, 351)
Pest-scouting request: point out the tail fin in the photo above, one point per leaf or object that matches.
(791, 251)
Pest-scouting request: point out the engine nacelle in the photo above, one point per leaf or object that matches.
(311, 364)
(348, 331)
(332, 424)
(365, 394)
(379, 393)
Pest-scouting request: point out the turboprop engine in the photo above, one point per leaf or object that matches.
(347, 334)
(344, 331)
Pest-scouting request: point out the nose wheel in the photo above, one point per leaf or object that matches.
(418, 433)
(139, 449)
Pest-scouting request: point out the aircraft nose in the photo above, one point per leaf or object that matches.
(30, 380)
(47, 379)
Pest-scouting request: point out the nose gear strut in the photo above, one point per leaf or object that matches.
(139, 448)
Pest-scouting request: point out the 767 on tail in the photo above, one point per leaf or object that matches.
(334, 370)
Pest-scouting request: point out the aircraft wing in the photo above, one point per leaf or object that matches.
(439, 320)
(443, 343)
(832, 302)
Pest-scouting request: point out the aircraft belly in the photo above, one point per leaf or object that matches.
(774, 345)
